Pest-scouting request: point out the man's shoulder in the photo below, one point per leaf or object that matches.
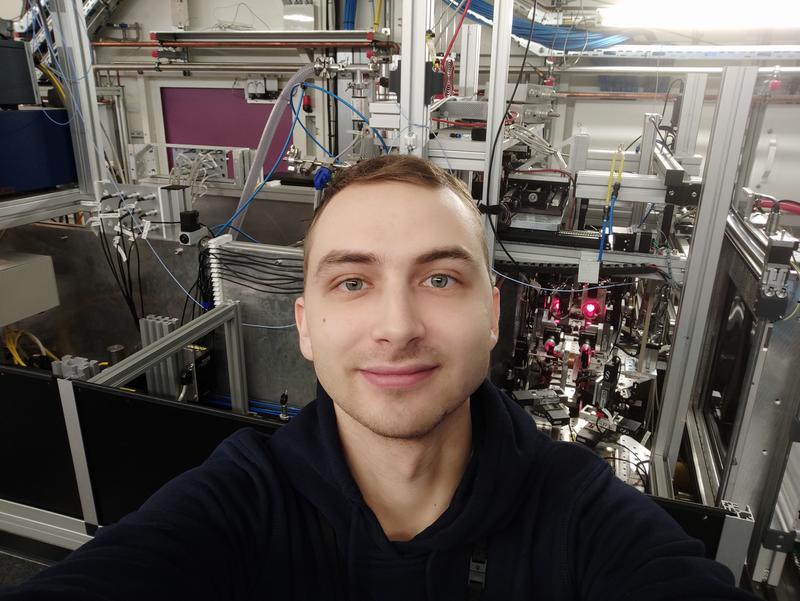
(568, 469)
(246, 447)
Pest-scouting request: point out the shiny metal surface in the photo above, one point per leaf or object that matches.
(168, 344)
(719, 180)
(73, 424)
(273, 359)
(92, 315)
(41, 525)
(30, 209)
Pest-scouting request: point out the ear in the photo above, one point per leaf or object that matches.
(302, 328)
(495, 331)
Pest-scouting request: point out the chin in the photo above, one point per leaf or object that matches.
(402, 416)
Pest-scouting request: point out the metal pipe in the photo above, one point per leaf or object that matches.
(667, 70)
(211, 67)
(632, 96)
(242, 44)
(214, 67)
(270, 129)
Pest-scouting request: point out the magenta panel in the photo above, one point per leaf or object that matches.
(219, 117)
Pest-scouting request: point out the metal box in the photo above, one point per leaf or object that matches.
(28, 285)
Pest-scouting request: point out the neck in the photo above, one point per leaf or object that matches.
(408, 484)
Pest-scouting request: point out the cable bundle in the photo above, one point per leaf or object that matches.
(271, 276)
(551, 36)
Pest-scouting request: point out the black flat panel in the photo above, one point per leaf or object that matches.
(699, 521)
(135, 443)
(37, 468)
(16, 82)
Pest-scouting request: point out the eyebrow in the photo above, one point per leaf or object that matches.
(340, 257)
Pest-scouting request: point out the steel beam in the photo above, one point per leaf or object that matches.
(564, 255)
(414, 110)
(502, 18)
(44, 526)
(234, 346)
(30, 209)
(648, 143)
(75, 58)
(225, 315)
(688, 120)
(727, 137)
(469, 60)
(635, 188)
(73, 424)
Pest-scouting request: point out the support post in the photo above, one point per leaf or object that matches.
(719, 180)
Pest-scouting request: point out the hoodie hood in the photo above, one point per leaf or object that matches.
(505, 444)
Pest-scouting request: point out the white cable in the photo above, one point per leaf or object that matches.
(78, 112)
(255, 325)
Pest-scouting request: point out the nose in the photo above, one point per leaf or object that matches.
(398, 319)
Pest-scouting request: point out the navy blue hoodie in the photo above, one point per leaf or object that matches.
(282, 518)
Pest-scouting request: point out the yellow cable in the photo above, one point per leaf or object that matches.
(11, 346)
(54, 81)
(611, 178)
(615, 173)
(378, 6)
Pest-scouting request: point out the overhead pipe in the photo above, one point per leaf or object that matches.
(239, 44)
(210, 67)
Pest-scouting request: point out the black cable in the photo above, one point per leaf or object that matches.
(257, 289)
(277, 282)
(262, 261)
(637, 466)
(628, 147)
(291, 276)
(666, 98)
(255, 257)
(118, 277)
(500, 131)
(186, 301)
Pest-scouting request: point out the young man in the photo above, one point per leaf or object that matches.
(410, 477)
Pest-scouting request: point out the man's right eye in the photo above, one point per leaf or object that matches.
(352, 285)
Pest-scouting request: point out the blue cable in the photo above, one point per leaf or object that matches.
(551, 36)
(351, 107)
(646, 215)
(227, 224)
(305, 129)
(67, 122)
(245, 234)
(607, 227)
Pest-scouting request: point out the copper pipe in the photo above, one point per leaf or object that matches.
(108, 44)
(776, 99)
(208, 67)
(242, 44)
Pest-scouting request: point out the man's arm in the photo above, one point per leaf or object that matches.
(626, 548)
(198, 537)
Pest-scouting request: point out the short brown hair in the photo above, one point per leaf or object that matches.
(404, 168)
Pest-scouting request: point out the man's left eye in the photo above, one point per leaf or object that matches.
(440, 280)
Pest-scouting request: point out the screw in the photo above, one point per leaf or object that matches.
(671, 193)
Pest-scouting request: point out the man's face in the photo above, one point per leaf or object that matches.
(399, 315)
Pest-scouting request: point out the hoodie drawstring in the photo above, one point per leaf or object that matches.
(428, 579)
(351, 580)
